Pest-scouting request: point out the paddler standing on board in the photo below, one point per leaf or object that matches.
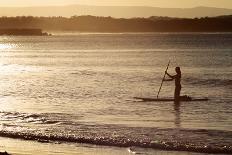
(177, 78)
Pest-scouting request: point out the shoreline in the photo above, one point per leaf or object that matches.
(23, 32)
(4, 153)
(17, 147)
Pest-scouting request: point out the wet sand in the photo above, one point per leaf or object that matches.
(21, 147)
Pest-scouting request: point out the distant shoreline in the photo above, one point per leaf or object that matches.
(23, 32)
(93, 24)
(70, 33)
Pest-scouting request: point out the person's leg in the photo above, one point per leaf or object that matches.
(177, 94)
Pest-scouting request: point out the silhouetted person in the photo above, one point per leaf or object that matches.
(177, 79)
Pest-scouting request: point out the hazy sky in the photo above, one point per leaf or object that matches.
(155, 3)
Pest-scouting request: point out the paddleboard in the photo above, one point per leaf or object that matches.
(169, 99)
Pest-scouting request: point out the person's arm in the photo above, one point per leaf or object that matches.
(172, 77)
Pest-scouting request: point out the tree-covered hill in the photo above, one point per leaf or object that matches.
(109, 24)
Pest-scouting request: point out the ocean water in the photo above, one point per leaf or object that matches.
(80, 88)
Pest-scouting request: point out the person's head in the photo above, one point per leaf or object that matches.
(178, 71)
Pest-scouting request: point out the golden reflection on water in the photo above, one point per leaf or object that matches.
(5, 46)
(177, 115)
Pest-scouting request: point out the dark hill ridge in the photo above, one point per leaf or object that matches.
(113, 11)
(23, 32)
(109, 24)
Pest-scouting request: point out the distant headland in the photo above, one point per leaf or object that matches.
(23, 32)
(28, 25)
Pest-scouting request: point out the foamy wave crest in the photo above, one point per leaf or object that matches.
(205, 141)
(120, 142)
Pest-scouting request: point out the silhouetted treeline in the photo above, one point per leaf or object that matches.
(17, 31)
(108, 24)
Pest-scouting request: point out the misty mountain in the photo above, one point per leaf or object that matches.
(113, 11)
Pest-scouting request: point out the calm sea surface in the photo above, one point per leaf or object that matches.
(80, 88)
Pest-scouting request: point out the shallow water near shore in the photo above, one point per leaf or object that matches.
(17, 147)
(79, 88)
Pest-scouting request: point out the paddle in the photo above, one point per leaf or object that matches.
(163, 79)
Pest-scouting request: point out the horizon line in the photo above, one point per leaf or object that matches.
(33, 6)
(170, 17)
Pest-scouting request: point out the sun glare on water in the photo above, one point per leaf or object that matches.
(5, 46)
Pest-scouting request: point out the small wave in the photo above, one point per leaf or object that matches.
(172, 139)
(108, 141)
(87, 73)
(24, 117)
(59, 127)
